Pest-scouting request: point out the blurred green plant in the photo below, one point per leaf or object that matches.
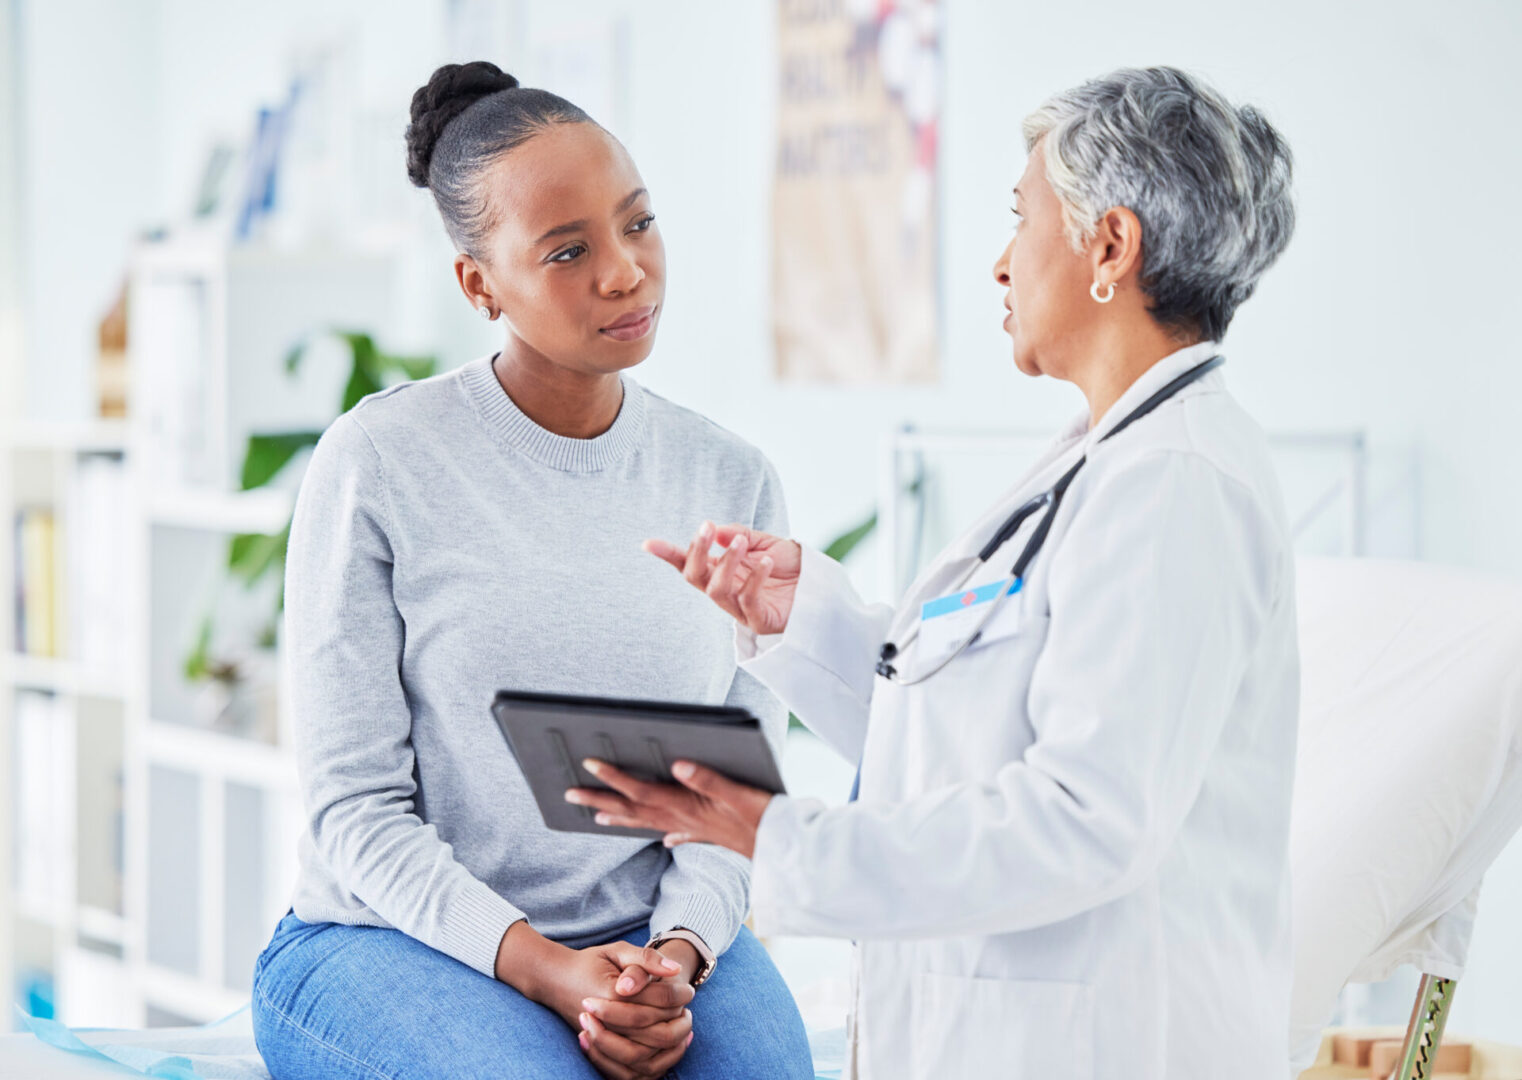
(846, 542)
(252, 557)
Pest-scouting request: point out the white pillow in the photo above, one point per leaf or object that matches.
(1408, 781)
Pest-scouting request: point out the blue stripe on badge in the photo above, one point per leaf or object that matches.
(946, 605)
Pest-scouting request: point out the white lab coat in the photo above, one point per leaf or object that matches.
(1068, 860)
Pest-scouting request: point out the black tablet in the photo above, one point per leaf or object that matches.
(551, 734)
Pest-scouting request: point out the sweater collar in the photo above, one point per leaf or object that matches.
(515, 431)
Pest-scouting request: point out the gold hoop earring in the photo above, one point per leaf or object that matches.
(1106, 298)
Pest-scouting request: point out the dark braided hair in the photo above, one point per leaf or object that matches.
(466, 117)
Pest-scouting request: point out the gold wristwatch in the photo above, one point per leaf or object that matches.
(705, 954)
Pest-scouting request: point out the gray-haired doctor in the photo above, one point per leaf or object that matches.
(1076, 732)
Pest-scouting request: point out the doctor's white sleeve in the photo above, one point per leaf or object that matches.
(824, 663)
(1159, 592)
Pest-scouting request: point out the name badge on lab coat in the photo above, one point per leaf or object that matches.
(947, 622)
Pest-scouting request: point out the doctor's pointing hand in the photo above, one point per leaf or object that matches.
(1066, 857)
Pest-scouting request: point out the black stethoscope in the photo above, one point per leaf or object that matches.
(1048, 500)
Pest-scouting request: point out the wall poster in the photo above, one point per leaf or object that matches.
(854, 236)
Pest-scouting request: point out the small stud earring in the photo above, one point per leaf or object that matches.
(485, 312)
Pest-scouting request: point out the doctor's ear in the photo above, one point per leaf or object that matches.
(1116, 249)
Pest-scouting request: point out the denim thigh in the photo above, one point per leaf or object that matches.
(339, 1001)
(332, 1000)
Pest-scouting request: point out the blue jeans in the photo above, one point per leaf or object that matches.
(332, 1000)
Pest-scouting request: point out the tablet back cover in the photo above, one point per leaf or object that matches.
(552, 734)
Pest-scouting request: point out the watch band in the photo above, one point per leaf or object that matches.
(705, 954)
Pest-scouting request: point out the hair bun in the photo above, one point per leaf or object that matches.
(451, 90)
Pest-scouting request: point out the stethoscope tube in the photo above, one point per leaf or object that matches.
(1051, 500)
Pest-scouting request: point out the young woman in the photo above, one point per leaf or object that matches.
(481, 530)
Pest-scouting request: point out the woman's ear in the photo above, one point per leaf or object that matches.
(1116, 250)
(473, 283)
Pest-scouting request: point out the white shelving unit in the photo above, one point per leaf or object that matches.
(74, 919)
(208, 818)
(54, 676)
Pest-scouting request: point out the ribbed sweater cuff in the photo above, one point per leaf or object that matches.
(707, 917)
(474, 920)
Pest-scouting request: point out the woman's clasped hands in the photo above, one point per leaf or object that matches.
(627, 1003)
(636, 1024)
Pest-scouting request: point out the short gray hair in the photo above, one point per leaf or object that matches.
(1210, 184)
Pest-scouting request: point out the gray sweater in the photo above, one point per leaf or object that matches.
(445, 547)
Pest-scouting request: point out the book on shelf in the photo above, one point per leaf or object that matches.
(77, 609)
(36, 583)
(96, 562)
(41, 760)
(171, 336)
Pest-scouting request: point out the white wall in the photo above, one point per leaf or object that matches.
(90, 179)
(1388, 311)
(11, 303)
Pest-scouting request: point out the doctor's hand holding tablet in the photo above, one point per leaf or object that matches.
(752, 577)
(1075, 733)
